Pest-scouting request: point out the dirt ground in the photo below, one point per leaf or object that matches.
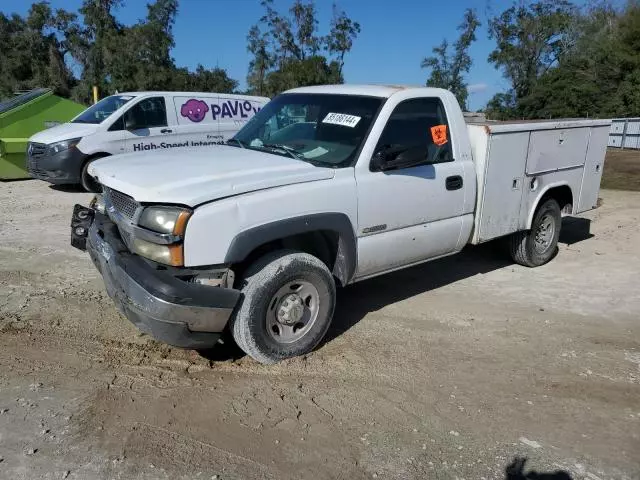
(445, 371)
(622, 170)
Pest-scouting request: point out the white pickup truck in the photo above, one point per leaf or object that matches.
(324, 187)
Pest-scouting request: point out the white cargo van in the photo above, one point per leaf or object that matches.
(136, 122)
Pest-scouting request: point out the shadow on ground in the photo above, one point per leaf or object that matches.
(68, 188)
(356, 301)
(574, 230)
(515, 471)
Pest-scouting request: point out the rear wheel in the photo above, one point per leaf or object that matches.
(287, 306)
(537, 246)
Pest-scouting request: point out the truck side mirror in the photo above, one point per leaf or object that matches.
(395, 157)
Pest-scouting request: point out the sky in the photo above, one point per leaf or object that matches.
(396, 35)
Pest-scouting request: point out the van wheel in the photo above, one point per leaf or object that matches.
(537, 246)
(86, 180)
(287, 305)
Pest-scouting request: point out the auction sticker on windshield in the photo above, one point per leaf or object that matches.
(342, 119)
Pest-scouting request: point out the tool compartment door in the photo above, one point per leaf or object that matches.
(503, 178)
(552, 150)
(593, 169)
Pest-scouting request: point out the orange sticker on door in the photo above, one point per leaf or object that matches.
(439, 134)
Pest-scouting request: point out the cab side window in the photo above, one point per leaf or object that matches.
(418, 124)
(148, 113)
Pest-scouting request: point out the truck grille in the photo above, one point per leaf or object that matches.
(123, 204)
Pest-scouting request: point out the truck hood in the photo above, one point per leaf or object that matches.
(191, 176)
(64, 131)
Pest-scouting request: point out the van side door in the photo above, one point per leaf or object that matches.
(197, 121)
(145, 124)
(233, 113)
(410, 214)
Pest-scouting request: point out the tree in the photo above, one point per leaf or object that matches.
(530, 39)
(341, 36)
(447, 70)
(95, 45)
(141, 56)
(214, 80)
(595, 70)
(116, 57)
(33, 50)
(287, 48)
(262, 60)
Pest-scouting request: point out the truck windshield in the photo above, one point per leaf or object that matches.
(323, 129)
(102, 110)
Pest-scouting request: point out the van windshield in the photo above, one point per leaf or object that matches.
(102, 110)
(322, 129)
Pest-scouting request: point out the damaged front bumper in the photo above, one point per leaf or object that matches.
(174, 311)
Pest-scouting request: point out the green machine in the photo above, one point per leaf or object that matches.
(23, 116)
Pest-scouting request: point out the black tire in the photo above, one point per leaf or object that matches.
(86, 180)
(525, 249)
(261, 287)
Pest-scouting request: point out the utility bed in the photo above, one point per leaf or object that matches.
(516, 161)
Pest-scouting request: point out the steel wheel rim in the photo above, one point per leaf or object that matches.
(544, 233)
(292, 311)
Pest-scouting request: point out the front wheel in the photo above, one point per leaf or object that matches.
(287, 306)
(86, 180)
(537, 246)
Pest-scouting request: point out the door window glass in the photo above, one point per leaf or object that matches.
(419, 123)
(148, 113)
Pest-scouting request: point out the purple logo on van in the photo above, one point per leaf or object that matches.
(195, 110)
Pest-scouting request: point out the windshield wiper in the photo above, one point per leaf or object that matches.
(239, 142)
(293, 153)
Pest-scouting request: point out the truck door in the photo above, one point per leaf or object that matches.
(145, 125)
(407, 215)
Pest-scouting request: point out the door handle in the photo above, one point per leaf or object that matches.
(454, 182)
(166, 130)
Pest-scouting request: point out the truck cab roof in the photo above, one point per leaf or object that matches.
(186, 94)
(382, 91)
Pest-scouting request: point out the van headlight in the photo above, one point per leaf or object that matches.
(168, 220)
(64, 145)
(165, 254)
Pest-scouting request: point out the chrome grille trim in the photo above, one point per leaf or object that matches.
(123, 204)
(124, 211)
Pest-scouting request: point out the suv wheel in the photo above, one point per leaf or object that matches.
(287, 306)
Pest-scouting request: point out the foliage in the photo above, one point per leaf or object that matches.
(37, 51)
(287, 49)
(447, 69)
(34, 48)
(563, 62)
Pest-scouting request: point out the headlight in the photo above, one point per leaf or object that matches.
(170, 220)
(165, 254)
(64, 145)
